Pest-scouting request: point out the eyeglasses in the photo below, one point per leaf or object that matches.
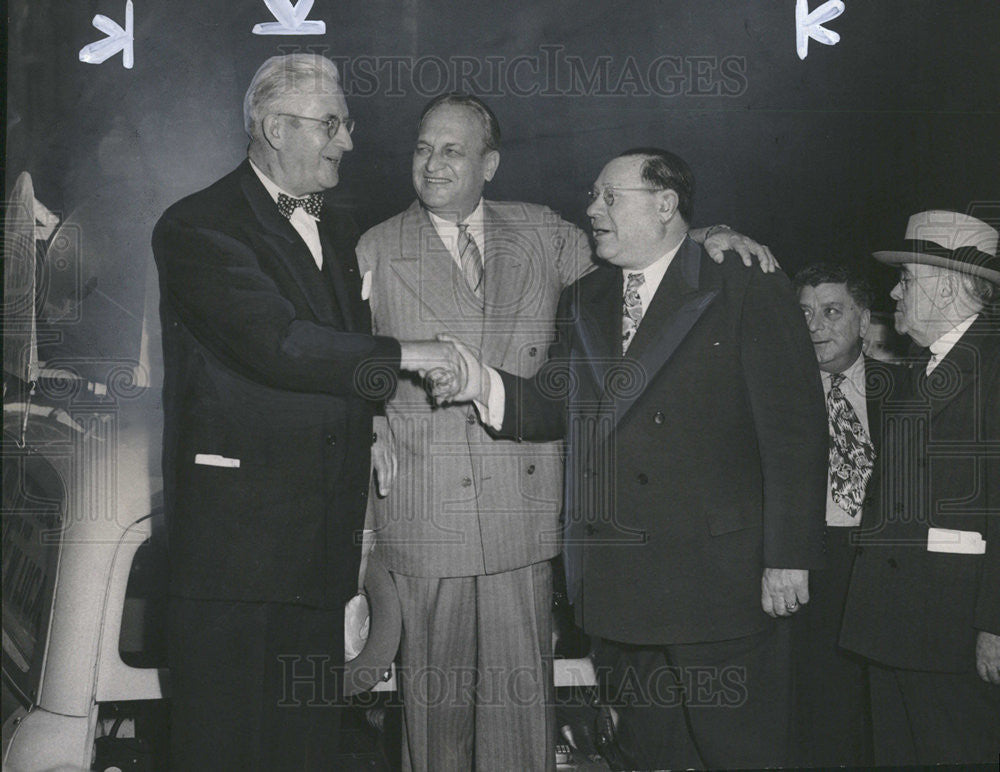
(332, 124)
(607, 192)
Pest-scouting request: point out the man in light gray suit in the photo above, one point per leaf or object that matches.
(471, 522)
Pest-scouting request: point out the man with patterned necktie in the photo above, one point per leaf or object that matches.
(695, 470)
(471, 523)
(833, 724)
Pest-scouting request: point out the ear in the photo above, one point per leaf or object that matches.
(949, 285)
(273, 131)
(668, 204)
(492, 163)
(866, 321)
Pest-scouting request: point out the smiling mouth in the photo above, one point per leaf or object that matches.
(436, 180)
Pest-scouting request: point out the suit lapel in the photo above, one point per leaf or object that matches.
(508, 277)
(344, 290)
(287, 244)
(873, 401)
(959, 370)
(598, 326)
(428, 270)
(679, 302)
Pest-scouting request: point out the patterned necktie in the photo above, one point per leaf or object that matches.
(852, 455)
(631, 308)
(471, 259)
(311, 204)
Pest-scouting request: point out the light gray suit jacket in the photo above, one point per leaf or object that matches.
(465, 504)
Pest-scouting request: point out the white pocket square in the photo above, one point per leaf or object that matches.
(366, 285)
(958, 542)
(212, 459)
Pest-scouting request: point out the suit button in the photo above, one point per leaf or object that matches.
(658, 418)
(374, 437)
(470, 419)
(466, 482)
(532, 351)
(530, 469)
(892, 563)
(590, 530)
(641, 477)
(331, 439)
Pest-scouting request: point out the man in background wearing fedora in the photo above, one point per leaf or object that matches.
(924, 600)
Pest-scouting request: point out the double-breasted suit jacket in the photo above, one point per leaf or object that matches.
(270, 365)
(465, 504)
(694, 461)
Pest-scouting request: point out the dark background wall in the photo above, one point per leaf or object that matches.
(821, 158)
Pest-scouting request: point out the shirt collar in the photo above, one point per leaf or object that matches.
(653, 273)
(474, 221)
(272, 188)
(946, 342)
(855, 374)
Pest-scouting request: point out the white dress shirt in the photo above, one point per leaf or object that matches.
(944, 344)
(302, 221)
(853, 388)
(448, 232)
(492, 414)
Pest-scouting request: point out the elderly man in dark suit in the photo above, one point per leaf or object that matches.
(924, 599)
(832, 716)
(696, 465)
(471, 523)
(272, 378)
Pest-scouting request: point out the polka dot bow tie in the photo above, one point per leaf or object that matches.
(311, 204)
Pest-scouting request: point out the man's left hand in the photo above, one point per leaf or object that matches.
(988, 657)
(723, 239)
(783, 591)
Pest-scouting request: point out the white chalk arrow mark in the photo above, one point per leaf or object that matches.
(810, 25)
(117, 39)
(291, 19)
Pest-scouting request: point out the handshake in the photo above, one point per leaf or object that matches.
(452, 371)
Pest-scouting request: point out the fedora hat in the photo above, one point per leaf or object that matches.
(385, 622)
(950, 240)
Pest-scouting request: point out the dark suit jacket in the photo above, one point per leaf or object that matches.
(269, 361)
(694, 461)
(908, 607)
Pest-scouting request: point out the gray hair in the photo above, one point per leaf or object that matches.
(283, 76)
(980, 290)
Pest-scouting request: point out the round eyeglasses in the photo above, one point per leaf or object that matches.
(332, 124)
(607, 192)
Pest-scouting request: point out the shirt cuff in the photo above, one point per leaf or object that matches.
(491, 414)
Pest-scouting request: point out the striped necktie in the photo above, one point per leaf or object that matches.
(471, 259)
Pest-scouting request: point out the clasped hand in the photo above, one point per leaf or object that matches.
(452, 371)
